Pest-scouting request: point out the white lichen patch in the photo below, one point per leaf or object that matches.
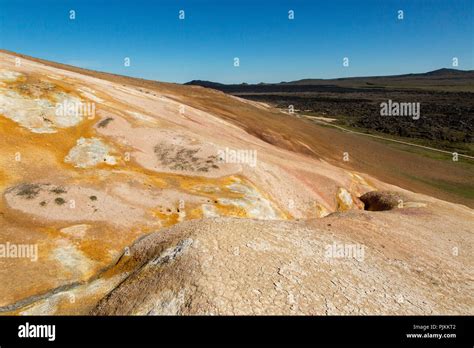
(344, 199)
(8, 75)
(254, 204)
(77, 231)
(89, 152)
(74, 262)
(37, 114)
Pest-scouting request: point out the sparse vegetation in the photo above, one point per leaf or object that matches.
(29, 191)
(184, 159)
(58, 190)
(105, 122)
(59, 201)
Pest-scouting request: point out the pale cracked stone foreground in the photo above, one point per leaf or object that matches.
(228, 266)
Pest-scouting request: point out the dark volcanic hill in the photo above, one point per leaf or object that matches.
(464, 76)
(445, 96)
(441, 79)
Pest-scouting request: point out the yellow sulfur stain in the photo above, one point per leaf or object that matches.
(231, 210)
(42, 156)
(166, 219)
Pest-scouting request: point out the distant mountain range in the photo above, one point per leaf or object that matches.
(441, 78)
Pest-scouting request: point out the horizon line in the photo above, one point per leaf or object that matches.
(235, 83)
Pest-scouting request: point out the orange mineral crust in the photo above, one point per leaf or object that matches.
(119, 196)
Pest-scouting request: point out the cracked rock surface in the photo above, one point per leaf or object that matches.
(234, 266)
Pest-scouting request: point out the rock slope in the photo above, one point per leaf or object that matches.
(140, 201)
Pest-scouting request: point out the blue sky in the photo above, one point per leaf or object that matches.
(271, 48)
